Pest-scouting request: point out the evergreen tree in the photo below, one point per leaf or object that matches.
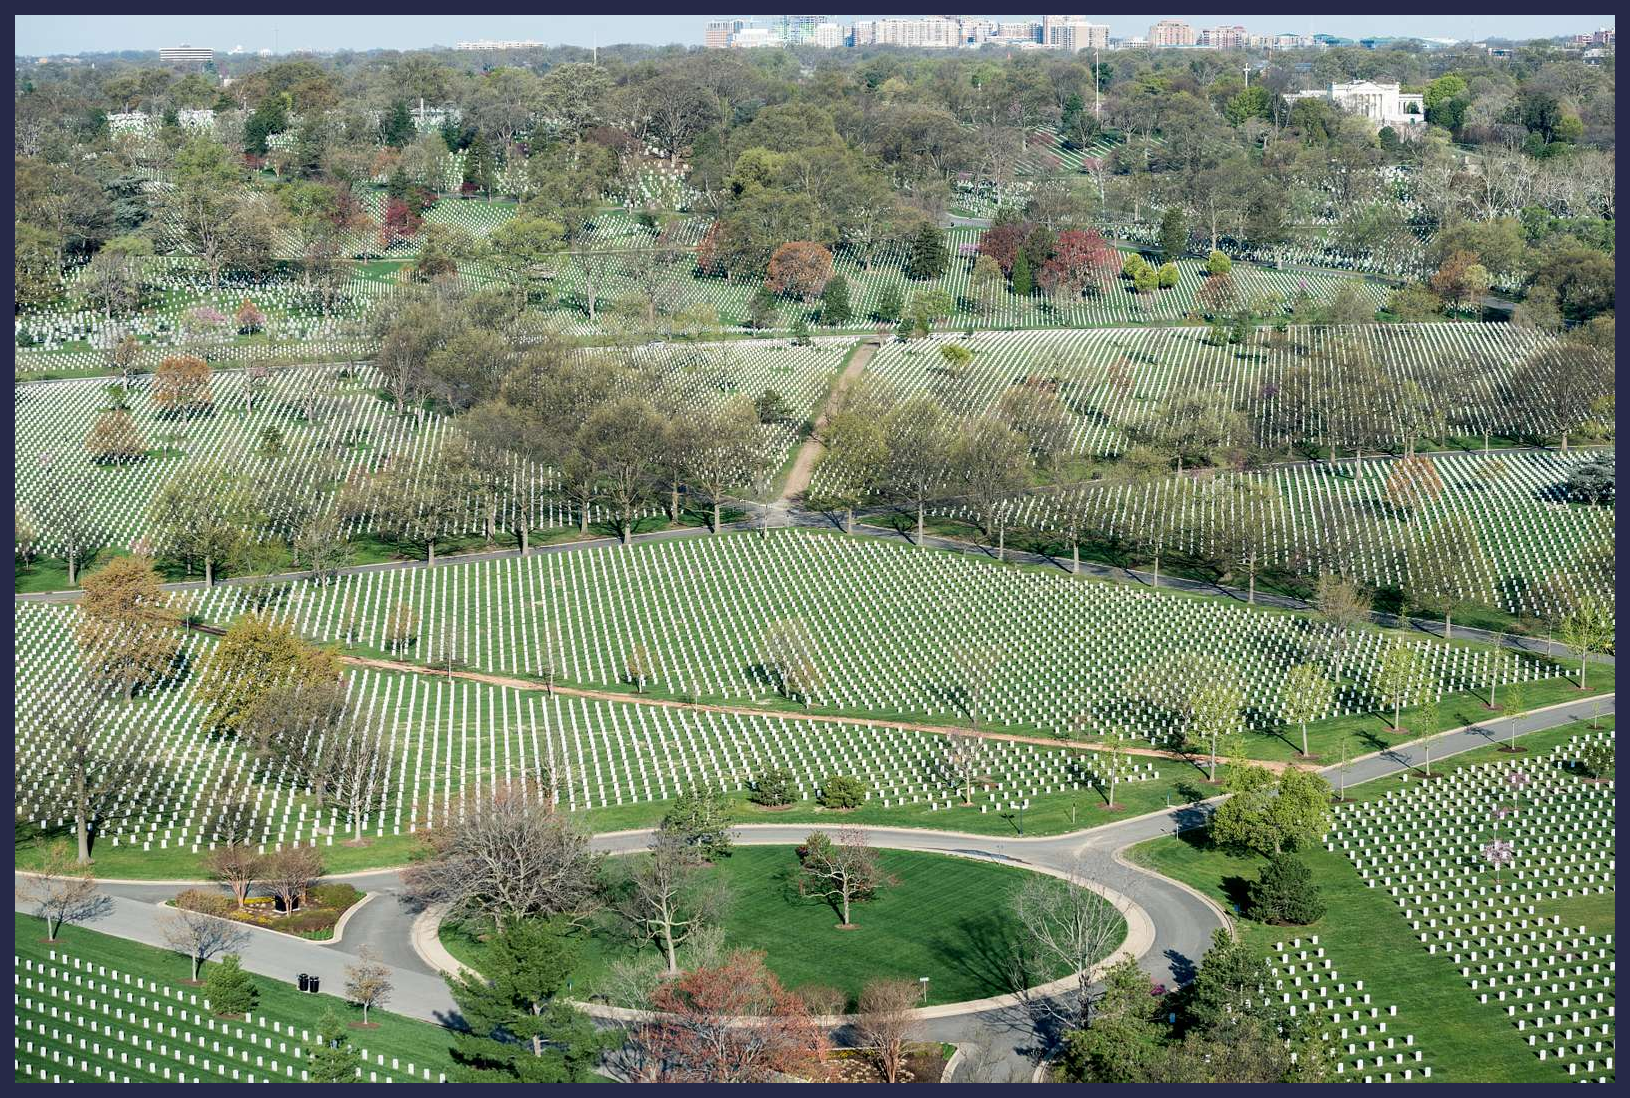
(520, 1029)
(835, 307)
(397, 184)
(928, 255)
(397, 129)
(229, 988)
(700, 817)
(1024, 283)
(331, 1058)
(889, 303)
(478, 166)
(1286, 893)
(1174, 234)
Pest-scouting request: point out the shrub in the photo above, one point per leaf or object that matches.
(1166, 276)
(205, 900)
(821, 999)
(1218, 264)
(842, 791)
(772, 787)
(1133, 265)
(1146, 279)
(229, 988)
(1286, 893)
(336, 897)
(1597, 758)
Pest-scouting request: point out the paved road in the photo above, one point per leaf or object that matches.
(1014, 1037)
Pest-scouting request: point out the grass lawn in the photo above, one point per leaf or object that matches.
(944, 918)
(1367, 939)
(407, 1039)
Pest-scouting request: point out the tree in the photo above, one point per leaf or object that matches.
(352, 770)
(1447, 569)
(1062, 925)
(1218, 296)
(330, 1058)
(927, 255)
(887, 1024)
(1307, 696)
(801, 268)
(520, 1028)
(1400, 678)
(1218, 263)
(1460, 280)
(524, 248)
(200, 934)
(1122, 1034)
(792, 659)
(229, 989)
(1269, 815)
(61, 891)
(181, 385)
(990, 461)
(1285, 894)
(698, 1036)
(1024, 280)
(396, 129)
(126, 628)
(841, 870)
(202, 514)
(511, 856)
(1216, 716)
(89, 777)
(919, 437)
(1586, 628)
(772, 787)
(625, 439)
(1081, 260)
(237, 864)
(666, 896)
(368, 981)
(291, 873)
(841, 791)
(1344, 608)
(890, 300)
(835, 307)
(257, 653)
(1174, 234)
(700, 818)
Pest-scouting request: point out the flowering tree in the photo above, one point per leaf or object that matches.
(800, 267)
(1081, 259)
(1497, 853)
(698, 1036)
(250, 318)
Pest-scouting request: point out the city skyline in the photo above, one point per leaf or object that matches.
(38, 35)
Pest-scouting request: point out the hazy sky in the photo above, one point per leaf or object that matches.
(48, 34)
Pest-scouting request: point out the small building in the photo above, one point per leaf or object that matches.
(1383, 104)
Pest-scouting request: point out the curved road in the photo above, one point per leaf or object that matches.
(1014, 1037)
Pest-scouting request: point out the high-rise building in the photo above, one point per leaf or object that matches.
(750, 38)
(718, 32)
(828, 35)
(797, 29)
(929, 32)
(1073, 33)
(186, 55)
(1224, 38)
(1171, 32)
(487, 45)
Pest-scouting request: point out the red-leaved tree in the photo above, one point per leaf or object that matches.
(799, 267)
(700, 1035)
(1003, 243)
(400, 222)
(708, 259)
(1082, 258)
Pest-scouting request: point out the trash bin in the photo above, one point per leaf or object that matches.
(305, 982)
(314, 985)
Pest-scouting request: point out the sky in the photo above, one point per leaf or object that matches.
(66, 34)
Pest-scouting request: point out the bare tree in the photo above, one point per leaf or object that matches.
(1063, 925)
(666, 896)
(791, 657)
(62, 891)
(200, 935)
(368, 982)
(977, 665)
(354, 771)
(888, 1024)
(291, 872)
(510, 856)
(91, 776)
(962, 757)
(1343, 608)
(840, 870)
(236, 864)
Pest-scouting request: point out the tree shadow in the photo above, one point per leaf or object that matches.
(1238, 891)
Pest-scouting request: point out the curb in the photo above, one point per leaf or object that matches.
(951, 1065)
(1139, 940)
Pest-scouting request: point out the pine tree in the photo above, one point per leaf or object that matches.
(398, 128)
(701, 817)
(1024, 283)
(520, 1030)
(889, 303)
(229, 989)
(478, 167)
(1286, 893)
(1174, 234)
(835, 307)
(331, 1058)
(928, 254)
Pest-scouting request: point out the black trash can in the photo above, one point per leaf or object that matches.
(305, 982)
(314, 985)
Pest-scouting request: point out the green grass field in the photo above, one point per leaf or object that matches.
(407, 1039)
(1366, 936)
(944, 918)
